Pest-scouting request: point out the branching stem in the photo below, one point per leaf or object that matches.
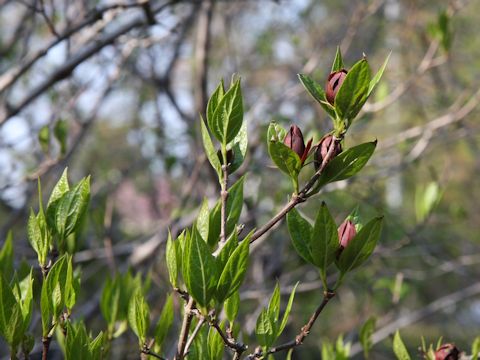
(187, 320)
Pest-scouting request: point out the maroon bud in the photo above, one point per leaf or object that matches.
(447, 352)
(346, 232)
(323, 147)
(294, 140)
(334, 82)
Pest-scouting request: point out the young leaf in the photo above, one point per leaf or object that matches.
(110, 300)
(72, 286)
(164, 323)
(301, 232)
(11, 320)
(324, 242)
(210, 150)
(60, 188)
(264, 330)
(226, 252)
(6, 257)
(171, 259)
(214, 100)
(61, 134)
(65, 213)
(476, 348)
(399, 348)
(353, 92)
(338, 62)
(283, 157)
(39, 236)
(239, 147)
(215, 344)
(316, 91)
(378, 75)
(203, 220)
(361, 246)
(234, 272)
(347, 163)
(366, 335)
(200, 269)
(138, 316)
(274, 307)
(287, 311)
(232, 305)
(228, 115)
(53, 294)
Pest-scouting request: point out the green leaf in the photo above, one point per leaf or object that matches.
(210, 150)
(226, 252)
(264, 330)
(231, 306)
(378, 75)
(353, 92)
(234, 272)
(399, 348)
(228, 115)
(214, 100)
(171, 260)
(44, 138)
(200, 269)
(239, 147)
(60, 188)
(164, 323)
(61, 134)
(25, 299)
(366, 335)
(110, 300)
(65, 213)
(203, 220)
(324, 242)
(72, 286)
(316, 91)
(300, 232)
(282, 156)
(233, 210)
(361, 246)
(348, 163)
(476, 348)
(426, 198)
(138, 316)
(287, 311)
(445, 31)
(215, 344)
(274, 306)
(338, 62)
(53, 293)
(39, 236)
(6, 257)
(11, 320)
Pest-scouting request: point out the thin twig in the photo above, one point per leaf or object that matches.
(151, 353)
(187, 320)
(238, 347)
(193, 335)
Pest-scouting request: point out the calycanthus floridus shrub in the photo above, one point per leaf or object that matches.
(208, 261)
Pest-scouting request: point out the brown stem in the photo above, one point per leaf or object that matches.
(301, 196)
(238, 347)
(224, 197)
(187, 320)
(46, 346)
(194, 334)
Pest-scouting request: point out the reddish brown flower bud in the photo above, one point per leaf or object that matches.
(294, 140)
(334, 82)
(447, 352)
(323, 147)
(346, 232)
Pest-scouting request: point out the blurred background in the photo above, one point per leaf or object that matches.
(114, 89)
